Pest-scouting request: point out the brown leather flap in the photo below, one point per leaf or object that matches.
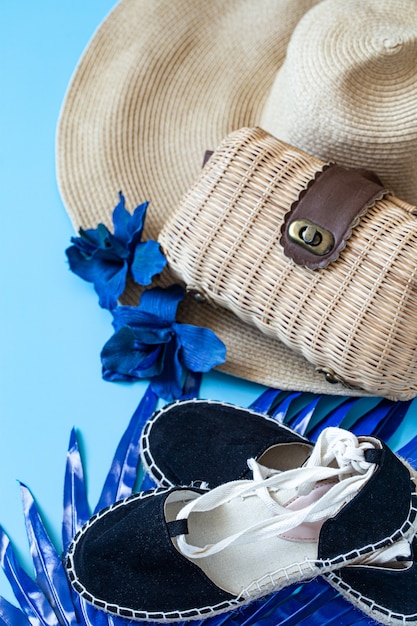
(316, 228)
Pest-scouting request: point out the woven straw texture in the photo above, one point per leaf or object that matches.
(161, 81)
(349, 82)
(356, 318)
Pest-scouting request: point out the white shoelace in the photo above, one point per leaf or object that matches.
(337, 455)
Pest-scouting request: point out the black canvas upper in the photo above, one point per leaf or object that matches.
(391, 588)
(126, 558)
(197, 440)
(379, 509)
(382, 591)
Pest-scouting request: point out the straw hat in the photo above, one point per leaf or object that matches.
(347, 91)
(162, 81)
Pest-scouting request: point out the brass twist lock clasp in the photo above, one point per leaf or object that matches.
(310, 236)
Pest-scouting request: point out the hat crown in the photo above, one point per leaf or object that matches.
(347, 90)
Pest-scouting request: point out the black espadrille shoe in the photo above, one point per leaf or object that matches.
(180, 553)
(386, 592)
(203, 441)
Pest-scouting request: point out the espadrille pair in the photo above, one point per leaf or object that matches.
(245, 507)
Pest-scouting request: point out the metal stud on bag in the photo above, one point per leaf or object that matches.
(197, 294)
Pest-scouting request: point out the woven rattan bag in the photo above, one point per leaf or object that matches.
(319, 256)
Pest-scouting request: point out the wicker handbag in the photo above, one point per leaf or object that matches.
(319, 256)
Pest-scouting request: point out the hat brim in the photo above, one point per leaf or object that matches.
(158, 85)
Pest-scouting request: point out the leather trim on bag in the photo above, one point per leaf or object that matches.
(320, 221)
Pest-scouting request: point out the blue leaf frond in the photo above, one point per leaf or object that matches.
(50, 573)
(30, 597)
(123, 471)
(76, 510)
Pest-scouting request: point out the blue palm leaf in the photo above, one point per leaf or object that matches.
(361, 408)
(280, 411)
(369, 423)
(325, 417)
(50, 573)
(300, 422)
(31, 599)
(351, 617)
(334, 417)
(264, 612)
(337, 612)
(123, 471)
(89, 615)
(76, 510)
(263, 403)
(113, 620)
(327, 406)
(147, 483)
(345, 415)
(409, 451)
(300, 608)
(253, 613)
(11, 615)
(217, 620)
(393, 420)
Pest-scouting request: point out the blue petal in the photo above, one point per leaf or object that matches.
(191, 386)
(89, 240)
(116, 377)
(147, 337)
(148, 260)
(99, 241)
(10, 615)
(109, 283)
(78, 264)
(108, 245)
(167, 384)
(31, 599)
(133, 317)
(76, 511)
(124, 468)
(162, 303)
(136, 225)
(95, 244)
(121, 355)
(121, 218)
(128, 228)
(201, 349)
(50, 573)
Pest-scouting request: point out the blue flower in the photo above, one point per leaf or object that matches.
(149, 344)
(106, 259)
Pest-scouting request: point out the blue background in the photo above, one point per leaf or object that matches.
(51, 327)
